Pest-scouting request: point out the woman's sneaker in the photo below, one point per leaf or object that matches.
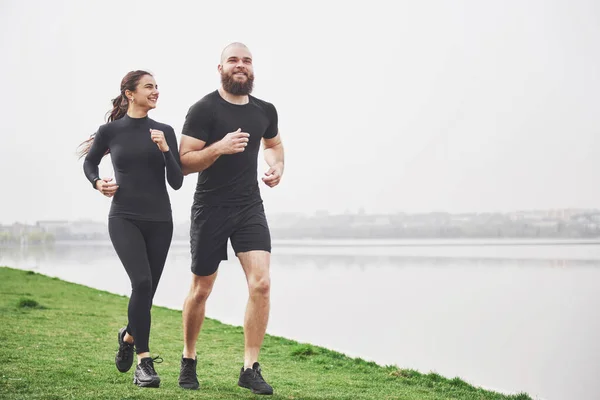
(145, 375)
(124, 357)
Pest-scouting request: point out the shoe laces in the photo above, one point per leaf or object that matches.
(126, 349)
(257, 372)
(147, 365)
(187, 370)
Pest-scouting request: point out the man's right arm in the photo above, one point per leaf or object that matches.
(195, 157)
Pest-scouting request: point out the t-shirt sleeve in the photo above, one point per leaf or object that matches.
(273, 128)
(198, 121)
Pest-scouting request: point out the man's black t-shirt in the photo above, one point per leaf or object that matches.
(139, 167)
(232, 178)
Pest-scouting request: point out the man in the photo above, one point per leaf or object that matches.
(221, 137)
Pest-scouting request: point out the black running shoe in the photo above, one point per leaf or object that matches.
(124, 357)
(252, 379)
(187, 375)
(145, 375)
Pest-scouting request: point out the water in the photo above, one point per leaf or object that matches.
(509, 316)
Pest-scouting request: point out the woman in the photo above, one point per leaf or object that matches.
(140, 223)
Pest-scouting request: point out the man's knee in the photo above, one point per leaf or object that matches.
(260, 286)
(256, 267)
(201, 288)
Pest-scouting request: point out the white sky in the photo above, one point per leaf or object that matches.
(388, 105)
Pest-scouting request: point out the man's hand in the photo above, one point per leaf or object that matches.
(233, 142)
(158, 137)
(273, 175)
(106, 187)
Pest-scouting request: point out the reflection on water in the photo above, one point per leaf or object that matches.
(512, 318)
(325, 257)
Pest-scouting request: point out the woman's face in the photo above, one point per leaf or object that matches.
(145, 94)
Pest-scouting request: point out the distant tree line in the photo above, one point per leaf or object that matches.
(36, 237)
(434, 226)
(363, 226)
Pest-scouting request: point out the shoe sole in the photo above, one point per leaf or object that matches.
(151, 384)
(195, 387)
(240, 384)
(116, 364)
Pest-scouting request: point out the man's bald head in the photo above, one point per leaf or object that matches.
(231, 48)
(237, 72)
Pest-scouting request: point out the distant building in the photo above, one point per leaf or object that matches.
(73, 230)
(88, 228)
(57, 228)
(18, 228)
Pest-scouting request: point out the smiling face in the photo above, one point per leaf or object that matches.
(145, 94)
(237, 72)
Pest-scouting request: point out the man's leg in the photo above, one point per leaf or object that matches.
(193, 311)
(256, 267)
(193, 317)
(208, 246)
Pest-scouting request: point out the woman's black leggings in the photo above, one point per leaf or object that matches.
(142, 247)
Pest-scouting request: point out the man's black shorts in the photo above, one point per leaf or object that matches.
(211, 226)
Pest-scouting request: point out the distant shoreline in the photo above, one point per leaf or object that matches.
(426, 242)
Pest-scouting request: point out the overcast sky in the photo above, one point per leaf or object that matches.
(386, 105)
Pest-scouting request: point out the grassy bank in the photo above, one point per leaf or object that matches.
(58, 341)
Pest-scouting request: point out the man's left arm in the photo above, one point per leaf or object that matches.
(273, 150)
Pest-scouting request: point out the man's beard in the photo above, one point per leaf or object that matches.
(237, 88)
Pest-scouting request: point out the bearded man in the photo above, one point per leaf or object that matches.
(220, 140)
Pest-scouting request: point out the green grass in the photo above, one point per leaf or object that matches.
(58, 341)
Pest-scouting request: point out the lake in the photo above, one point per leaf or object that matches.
(508, 315)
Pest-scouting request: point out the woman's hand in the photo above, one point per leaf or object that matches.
(106, 187)
(158, 137)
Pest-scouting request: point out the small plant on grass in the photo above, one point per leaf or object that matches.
(29, 303)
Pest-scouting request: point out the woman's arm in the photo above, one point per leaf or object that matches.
(172, 162)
